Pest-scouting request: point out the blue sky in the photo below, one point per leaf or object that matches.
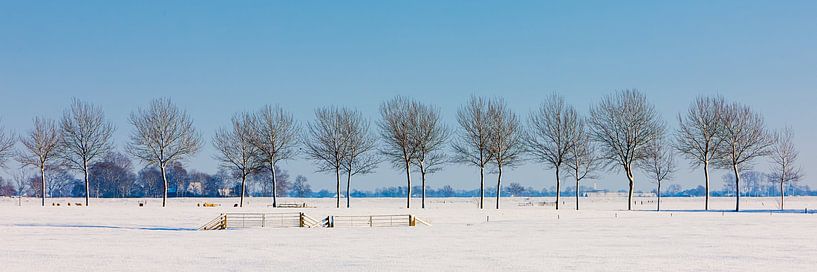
(215, 58)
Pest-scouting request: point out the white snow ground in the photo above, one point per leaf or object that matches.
(117, 235)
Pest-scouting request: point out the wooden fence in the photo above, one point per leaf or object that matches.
(260, 220)
(372, 221)
(296, 220)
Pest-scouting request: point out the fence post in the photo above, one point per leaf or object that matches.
(301, 220)
(263, 219)
(224, 222)
(412, 223)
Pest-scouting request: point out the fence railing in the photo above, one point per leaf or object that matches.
(399, 220)
(260, 220)
(295, 220)
(218, 223)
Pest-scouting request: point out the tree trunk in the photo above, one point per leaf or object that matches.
(737, 188)
(706, 176)
(577, 188)
(42, 182)
(498, 186)
(243, 190)
(337, 175)
(87, 183)
(164, 180)
(782, 193)
(274, 199)
(348, 187)
(423, 178)
(658, 192)
(481, 186)
(408, 181)
(632, 185)
(558, 187)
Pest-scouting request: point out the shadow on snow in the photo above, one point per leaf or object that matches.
(104, 227)
(789, 211)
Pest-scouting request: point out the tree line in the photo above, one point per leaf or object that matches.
(622, 132)
(113, 176)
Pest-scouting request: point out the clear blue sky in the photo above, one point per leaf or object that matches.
(215, 58)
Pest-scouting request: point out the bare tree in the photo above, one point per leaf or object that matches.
(40, 147)
(659, 163)
(86, 137)
(552, 132)
(162, 134)
(581, 157)
(60, 181)
(236, 150)
(744, 138)
(506, 139)
(473, 141)
(697, 133)
(398, 119)
(359, 157)
(428, 136)
(784, 156)
(623, 124)
(112, 175)
(301, 188)
(21, 183)
(326, 141)
(6, 145)
(275, 135)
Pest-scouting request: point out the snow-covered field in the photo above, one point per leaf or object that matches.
(117, 235)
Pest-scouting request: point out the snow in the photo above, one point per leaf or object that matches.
(117, 235)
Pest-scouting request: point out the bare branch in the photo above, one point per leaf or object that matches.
(659, 163)
(398, 119)
(360, 144)
(744, 137)
(7, 141)
(552, 131)
(325, 142)
(41, 143)
(581, 158)
(275, 134)
(473, 140)
(429, 137)
(696, 137)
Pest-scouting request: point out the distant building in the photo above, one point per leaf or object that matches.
(195, 188)
(225, 191)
